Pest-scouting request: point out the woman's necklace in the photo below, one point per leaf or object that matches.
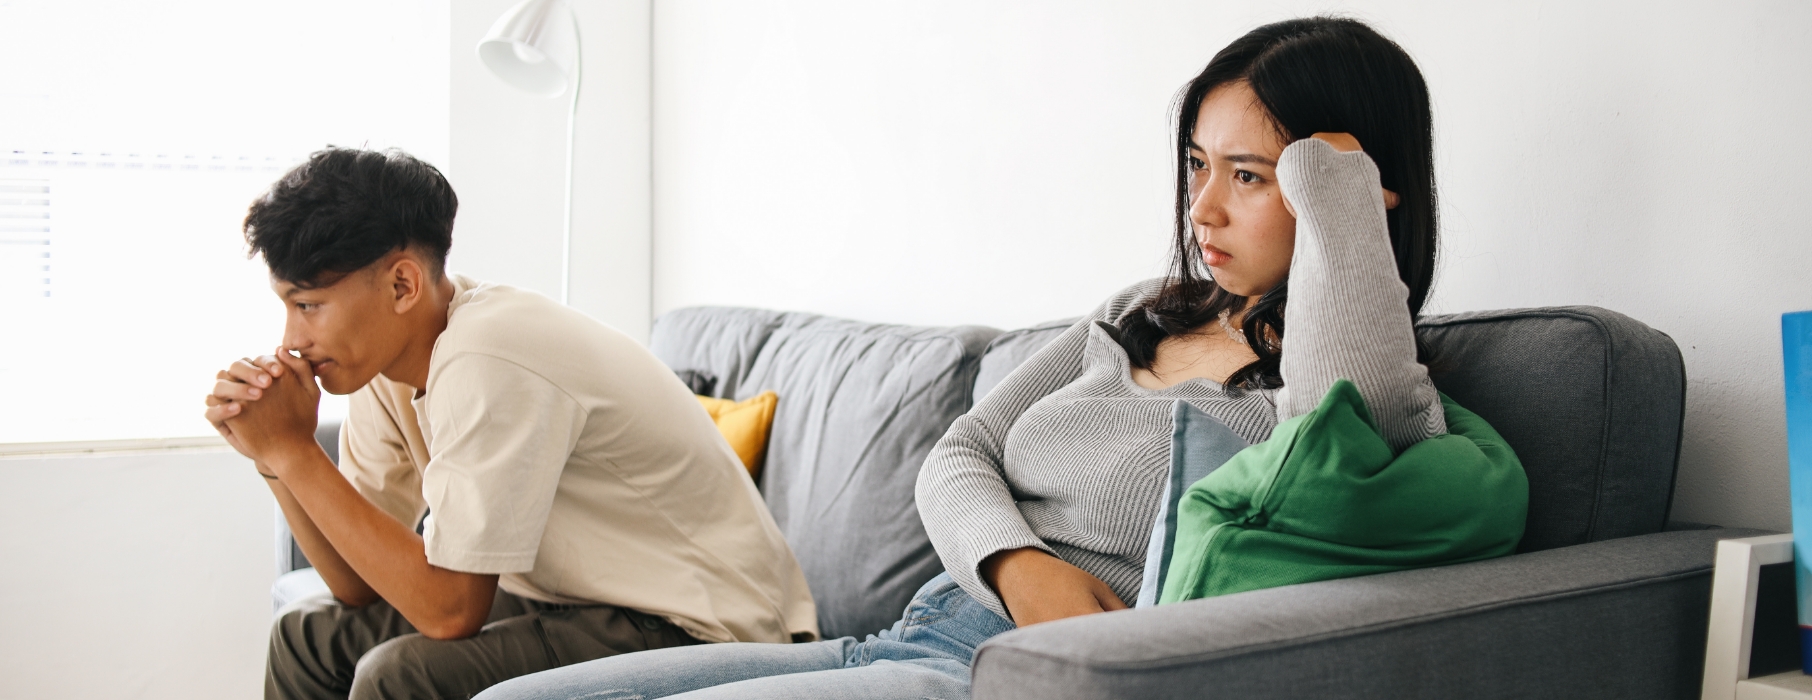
(1231, 331)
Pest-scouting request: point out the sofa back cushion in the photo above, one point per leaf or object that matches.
(1590, 399)
(1011, 349)
(861, 404)
(713, 348)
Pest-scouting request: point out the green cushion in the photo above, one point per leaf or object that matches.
(1325, 498)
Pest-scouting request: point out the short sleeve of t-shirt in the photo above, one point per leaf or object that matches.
(375, 451)
(501, 438)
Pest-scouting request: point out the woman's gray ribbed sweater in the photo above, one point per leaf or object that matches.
(1070, 456)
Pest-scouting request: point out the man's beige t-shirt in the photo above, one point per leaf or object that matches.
(556, 451)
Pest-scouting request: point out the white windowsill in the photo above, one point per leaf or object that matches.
(38, 450)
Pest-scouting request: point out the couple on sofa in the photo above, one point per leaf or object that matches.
(589, 534)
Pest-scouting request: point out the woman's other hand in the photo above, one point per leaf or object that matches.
(1037, 587)
(1344, 143)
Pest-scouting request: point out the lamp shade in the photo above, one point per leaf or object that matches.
(534, 47)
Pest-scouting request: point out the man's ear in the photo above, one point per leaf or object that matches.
(408, 282)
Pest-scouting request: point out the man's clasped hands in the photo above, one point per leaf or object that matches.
(266, 407)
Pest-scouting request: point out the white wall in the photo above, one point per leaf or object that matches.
(952, 161)
(509, 158)
(134, 576)
(922, 162)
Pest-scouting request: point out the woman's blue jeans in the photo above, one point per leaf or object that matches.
(924, 655)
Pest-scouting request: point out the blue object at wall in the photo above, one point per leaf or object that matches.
(1796, 355)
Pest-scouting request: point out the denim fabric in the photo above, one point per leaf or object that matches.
(924, 655)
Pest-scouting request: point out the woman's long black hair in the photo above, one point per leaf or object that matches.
(1318, 74)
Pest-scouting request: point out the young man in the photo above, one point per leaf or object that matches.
(578, 501)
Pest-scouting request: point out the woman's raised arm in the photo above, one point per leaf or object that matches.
(1348, 313)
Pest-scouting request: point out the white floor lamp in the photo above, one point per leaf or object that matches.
(535, 48)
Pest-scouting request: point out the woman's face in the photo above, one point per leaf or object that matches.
(1235, 206)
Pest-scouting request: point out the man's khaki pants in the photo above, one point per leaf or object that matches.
(322, 649)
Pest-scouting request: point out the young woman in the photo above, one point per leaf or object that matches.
(1040, 500)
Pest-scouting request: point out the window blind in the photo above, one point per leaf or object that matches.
(133, 136)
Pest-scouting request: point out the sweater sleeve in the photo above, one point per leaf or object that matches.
(1348, 314)
(963, 496)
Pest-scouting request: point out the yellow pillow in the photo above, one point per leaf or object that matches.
(745, 425)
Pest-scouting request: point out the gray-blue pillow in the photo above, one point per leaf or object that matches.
(1199, 444)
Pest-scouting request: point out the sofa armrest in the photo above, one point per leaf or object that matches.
(1613, 619)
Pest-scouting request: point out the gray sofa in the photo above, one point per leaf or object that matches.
(1601, 601)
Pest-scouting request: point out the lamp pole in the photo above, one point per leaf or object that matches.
(572, 119)
(534, 46)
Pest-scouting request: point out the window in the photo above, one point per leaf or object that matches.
(132, 137)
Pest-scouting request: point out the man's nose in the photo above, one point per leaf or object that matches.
(294, 336)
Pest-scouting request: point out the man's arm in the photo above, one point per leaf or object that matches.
(245, 381)
(345, 583)
(383, 553)
(365, 551)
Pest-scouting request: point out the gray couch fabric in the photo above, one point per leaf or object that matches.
(860, 406)
(1590, 399)
(1617, 619)
(713, 347)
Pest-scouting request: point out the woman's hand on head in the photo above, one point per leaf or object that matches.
(1344, 143)
(1037, 587)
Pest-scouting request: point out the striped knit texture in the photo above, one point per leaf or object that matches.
(1348, 316)
(1070, 456)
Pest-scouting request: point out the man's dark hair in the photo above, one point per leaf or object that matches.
(346, 208)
